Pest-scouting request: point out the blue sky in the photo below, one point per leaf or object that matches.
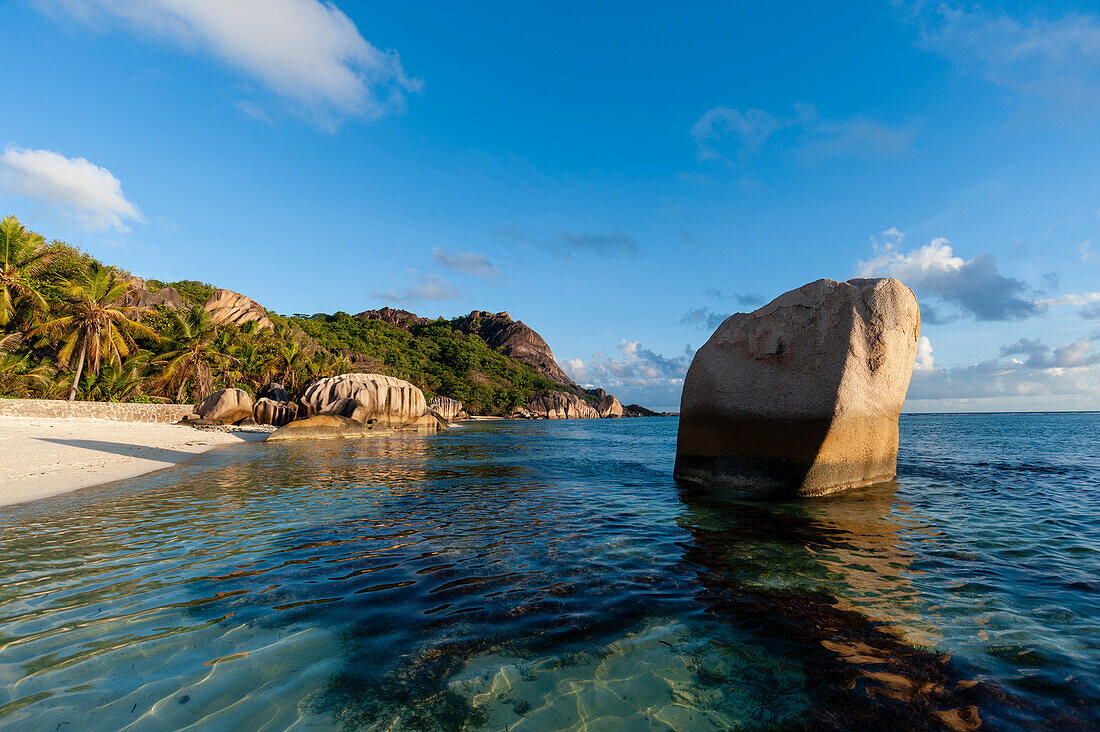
(618, 178)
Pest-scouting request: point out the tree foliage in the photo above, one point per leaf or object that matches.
(67, 328)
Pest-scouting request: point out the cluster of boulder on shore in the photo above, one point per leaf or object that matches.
(348, 405)
(354, 404)
(564, 405)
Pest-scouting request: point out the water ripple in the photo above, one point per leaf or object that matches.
(551, 576)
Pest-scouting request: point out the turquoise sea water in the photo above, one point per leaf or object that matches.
(550, 575)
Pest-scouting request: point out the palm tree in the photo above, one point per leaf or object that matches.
(191, 356)
(96, 322)
(252, 364)
(118, 381)
(17, 376)
(325, 364)
(25, 259)
(287, 362)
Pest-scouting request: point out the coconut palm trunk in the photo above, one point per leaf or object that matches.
(79, 368)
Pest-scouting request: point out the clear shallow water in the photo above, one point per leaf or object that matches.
(552, 576)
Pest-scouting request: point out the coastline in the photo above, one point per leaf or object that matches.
(46, 457)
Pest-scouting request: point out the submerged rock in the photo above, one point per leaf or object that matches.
(228, 406)
(801, 397)
(430, 421)
(389, 400)
(327, 427)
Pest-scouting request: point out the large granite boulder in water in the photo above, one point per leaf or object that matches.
(389, 400)
(801, 397)
(560, 405)
(448, 409)
(226, 306)
(227, 406)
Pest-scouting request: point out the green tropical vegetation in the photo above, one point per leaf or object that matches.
(68, 330)
(639, 410)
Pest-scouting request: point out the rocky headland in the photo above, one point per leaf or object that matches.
(520, 342)
(188, 339)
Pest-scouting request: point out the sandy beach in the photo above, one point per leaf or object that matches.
(46, 457)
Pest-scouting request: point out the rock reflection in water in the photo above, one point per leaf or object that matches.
(825, 583)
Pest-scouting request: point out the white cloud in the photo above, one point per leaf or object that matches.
(975, 286)
(636, 366)
(306, 51)
(1085, 298)
(637, 375)
(75, 186)
(576, 369)
(737, 137)
(925, 361)
(1053, 59)
(1027, 368)
(466, 262)
(421, 288)
(935, 258)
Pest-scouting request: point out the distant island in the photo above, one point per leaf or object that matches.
(76, 328)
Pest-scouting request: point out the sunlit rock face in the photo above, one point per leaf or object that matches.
(801, 397)
(387, 399)
(269, 411)
(227, 406)
(139, 295)
(560, 405)
(610, 407)
(448, 409)
(516, 340)
(226, 306)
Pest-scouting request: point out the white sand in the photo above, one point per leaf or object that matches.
(42, 457)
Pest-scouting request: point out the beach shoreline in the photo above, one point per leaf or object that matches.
(46, 457)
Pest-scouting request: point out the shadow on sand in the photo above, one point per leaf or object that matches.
(125, 449)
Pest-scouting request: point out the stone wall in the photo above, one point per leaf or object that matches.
(116, 411)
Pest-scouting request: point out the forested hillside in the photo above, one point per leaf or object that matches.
(74, 327)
